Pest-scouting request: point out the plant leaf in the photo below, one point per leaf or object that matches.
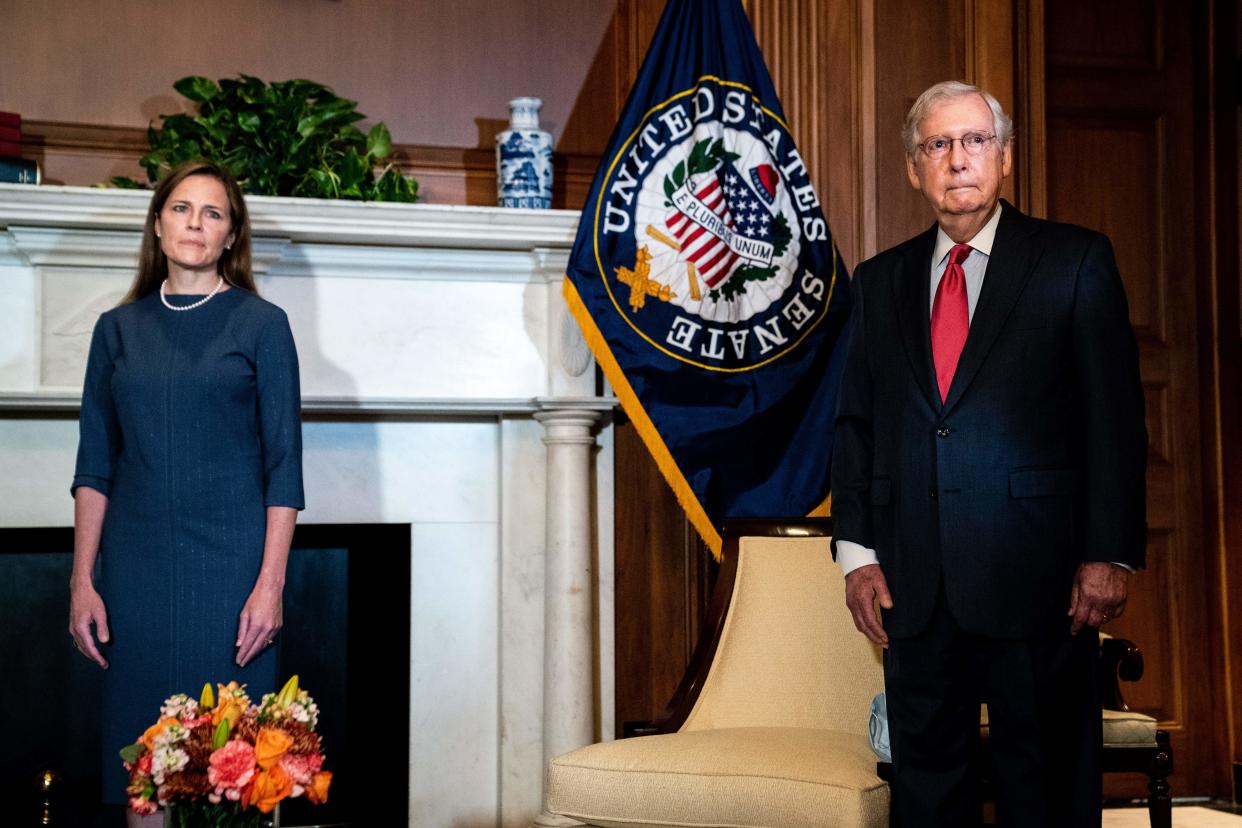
(132, 753)
(197, 88)
(379, 141)
(248, 121)
(393, 186)
(317, 184)
(351, 170)
(293, 137)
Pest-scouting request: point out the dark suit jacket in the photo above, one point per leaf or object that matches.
(1036, 460)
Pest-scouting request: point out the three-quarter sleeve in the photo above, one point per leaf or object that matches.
(99, 436)
(280, 414)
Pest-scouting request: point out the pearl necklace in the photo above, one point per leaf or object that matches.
(192, 305)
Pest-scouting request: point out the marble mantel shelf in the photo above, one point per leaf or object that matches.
(306, 219)
(398, 309)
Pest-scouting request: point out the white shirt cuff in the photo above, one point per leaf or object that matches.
(853, 555)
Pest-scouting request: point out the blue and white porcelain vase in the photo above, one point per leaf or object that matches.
(524, 158)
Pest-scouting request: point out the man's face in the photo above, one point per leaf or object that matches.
(959, 183)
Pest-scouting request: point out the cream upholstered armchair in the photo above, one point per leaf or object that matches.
(774, 732)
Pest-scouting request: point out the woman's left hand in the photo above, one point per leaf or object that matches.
(260, 620)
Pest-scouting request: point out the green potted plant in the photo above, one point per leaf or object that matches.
(288, 138)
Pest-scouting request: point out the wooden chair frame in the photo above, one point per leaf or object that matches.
(1121, 660)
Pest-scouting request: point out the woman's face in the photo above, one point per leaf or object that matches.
(195, 225)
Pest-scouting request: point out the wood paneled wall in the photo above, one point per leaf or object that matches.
(814, 52)
(1120, 139)
(1218, 176)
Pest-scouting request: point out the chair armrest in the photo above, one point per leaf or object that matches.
(1120, 660)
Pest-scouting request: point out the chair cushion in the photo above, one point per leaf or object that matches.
(1128, 729)
(1122, 728)
(734, 778)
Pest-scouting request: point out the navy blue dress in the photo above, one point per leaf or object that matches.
(191, 426)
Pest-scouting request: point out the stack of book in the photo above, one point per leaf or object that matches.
(13, 168)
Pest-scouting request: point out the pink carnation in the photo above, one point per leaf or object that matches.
(142, 807)
(231, 767)
(301, 767)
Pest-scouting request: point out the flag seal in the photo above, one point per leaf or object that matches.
(703, 213)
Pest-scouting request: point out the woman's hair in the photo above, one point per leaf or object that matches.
(234, 263)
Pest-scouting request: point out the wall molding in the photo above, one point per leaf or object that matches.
(446, 175)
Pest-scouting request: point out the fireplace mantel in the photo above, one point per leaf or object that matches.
(307, 219)
(396, 308)
(446, 388)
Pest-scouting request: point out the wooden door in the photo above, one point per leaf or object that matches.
(1120, 158)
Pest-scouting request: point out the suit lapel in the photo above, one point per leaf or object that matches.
(1013, 259)
(911, 289)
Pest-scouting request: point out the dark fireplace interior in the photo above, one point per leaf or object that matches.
(346, 635)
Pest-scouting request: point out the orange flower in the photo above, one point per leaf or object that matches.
(230, 708)
(156, 729)
(317, 790)
(269, 787)
(270, 745)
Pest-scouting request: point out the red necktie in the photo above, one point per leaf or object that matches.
(950, 319)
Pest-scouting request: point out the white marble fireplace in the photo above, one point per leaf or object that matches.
(445, 387)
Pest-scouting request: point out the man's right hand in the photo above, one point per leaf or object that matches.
(863, 588)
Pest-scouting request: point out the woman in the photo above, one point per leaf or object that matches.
(189, 469)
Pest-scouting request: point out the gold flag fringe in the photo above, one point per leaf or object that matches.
(638, 415)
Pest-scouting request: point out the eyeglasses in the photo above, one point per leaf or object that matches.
(938, 146)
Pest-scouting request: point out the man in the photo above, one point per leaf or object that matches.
(988, 480)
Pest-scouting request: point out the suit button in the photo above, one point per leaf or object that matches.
(942, 432)
(932, 494)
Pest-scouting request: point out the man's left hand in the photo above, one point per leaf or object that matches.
(1098, 595)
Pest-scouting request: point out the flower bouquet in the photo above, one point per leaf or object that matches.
(223, 762)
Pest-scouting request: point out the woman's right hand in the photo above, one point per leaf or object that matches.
(86, 608)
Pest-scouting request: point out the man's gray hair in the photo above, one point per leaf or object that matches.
(1002, 124)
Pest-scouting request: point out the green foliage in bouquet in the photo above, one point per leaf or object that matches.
(205, 815)
(287, 138)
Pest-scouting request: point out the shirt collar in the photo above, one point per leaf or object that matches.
(981, 242)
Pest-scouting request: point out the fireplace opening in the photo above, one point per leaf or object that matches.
(346, 635)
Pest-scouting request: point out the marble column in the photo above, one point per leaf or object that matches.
(569, 629)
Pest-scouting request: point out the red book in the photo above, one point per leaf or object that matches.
(10, 119)
(11, 134)
(10, 149)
